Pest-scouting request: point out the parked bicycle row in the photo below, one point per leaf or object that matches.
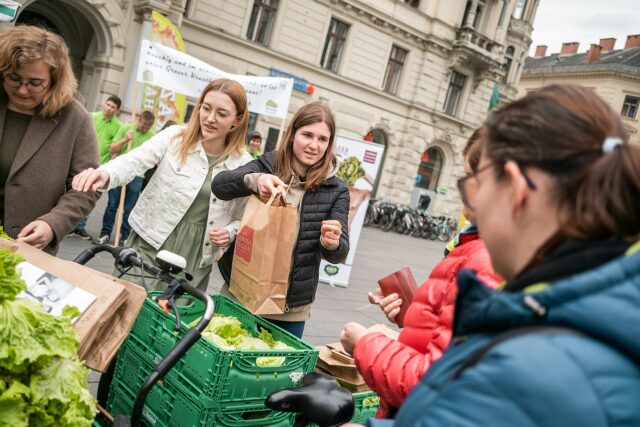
(388, 216)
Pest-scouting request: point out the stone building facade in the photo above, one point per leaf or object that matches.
(613, 73)
(415, 75)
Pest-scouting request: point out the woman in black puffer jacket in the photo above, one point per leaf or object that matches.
(306, 162)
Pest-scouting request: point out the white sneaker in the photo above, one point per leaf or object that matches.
(102, 240)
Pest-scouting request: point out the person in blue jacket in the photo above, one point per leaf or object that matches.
(557, 202)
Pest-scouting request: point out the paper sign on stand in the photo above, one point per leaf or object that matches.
(360, 161)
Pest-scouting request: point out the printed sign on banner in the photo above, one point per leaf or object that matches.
(171, 69)
(359, 168)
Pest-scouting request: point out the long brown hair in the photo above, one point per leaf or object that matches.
(561, 130)
(309, 114)
(234, 141)
(25, 44)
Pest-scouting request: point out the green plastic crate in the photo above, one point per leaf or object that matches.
(366, 403)
(167, 405)
(211, 375)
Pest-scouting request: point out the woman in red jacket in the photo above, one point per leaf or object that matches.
(392, 368)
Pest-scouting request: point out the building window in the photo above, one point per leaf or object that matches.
(519, 10)
(413, 3)
(467, 20)
(334, 45)
(503, 13)
(430, 168)
(506, 65)
(261, 22)
(454, 93)
(394, 69)
(630, 106)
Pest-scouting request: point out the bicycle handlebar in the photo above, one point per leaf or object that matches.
(126, 257)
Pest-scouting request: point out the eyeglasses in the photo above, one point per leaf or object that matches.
(467, 186)
(221, 115)
(33, 85)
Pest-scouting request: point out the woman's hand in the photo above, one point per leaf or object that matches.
(269, 184)
(90, 179)
(219, 236)
(390, 305)
(37, 233)
(330, 233)
(350, 335)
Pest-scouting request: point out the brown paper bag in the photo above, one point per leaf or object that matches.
(105, 324)
(262, 258)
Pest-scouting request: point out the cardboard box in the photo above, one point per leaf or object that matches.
(334, 361)
(105, 324)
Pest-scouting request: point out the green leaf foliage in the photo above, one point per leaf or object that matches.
(42, 382)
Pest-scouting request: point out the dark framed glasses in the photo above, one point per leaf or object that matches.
(33, 85)
(467, 185)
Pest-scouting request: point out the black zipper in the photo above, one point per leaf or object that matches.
(295, 248)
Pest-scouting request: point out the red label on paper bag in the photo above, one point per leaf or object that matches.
(244, 243)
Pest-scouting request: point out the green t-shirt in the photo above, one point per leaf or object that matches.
(138, 138)
(255, 154)
(106, 131)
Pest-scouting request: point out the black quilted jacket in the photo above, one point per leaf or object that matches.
(329, 201)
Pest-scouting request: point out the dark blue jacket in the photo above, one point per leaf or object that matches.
(565, 379)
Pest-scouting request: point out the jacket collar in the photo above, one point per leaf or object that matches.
(569, 258)
(233, 161)
(602, 302)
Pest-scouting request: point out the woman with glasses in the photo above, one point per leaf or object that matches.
(557, 202)
(177, 211)
(391, 367)
(46, 137)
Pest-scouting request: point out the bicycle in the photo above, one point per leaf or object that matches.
(309, 401)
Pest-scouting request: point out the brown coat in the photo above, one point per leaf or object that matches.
(51, 153)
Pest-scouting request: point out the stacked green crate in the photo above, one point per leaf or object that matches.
(209, 385)
(366, 404)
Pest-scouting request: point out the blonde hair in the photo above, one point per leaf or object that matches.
(234, 141)
(317, 174)
(25, 44)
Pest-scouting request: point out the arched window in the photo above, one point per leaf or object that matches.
(430, 169)
(508, 60)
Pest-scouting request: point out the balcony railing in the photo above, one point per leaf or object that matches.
(486, 52)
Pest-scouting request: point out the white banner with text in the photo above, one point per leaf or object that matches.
(176, 71)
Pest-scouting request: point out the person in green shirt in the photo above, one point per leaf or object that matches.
(253, 148)
(107, 126)
(137, 137)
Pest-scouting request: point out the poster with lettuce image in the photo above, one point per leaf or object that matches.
(359, 164)
(350, 170)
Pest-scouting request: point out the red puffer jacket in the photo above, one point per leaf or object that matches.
(392, 368)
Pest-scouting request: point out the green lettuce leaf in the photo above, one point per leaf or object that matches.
(13, 403)
(4, 235)
(10, 282)
(60, 390)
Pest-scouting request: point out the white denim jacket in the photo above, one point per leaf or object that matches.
(173, 188)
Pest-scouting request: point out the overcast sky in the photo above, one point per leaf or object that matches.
(584, 21)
